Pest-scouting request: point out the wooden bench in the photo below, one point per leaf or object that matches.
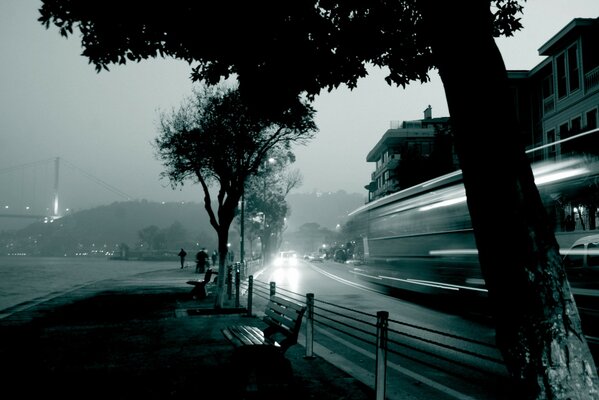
(283, 319)
(259, 357)
(199, 290)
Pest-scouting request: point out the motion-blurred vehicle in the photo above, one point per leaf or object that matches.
(286, 259)
(420, 239)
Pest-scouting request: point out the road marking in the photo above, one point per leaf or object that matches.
(338, 279)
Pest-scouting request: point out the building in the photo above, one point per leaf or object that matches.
(559, 99)
(555, 100)
(407, 152)
(560, 96)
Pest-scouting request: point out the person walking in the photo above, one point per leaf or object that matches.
(201, 259)
(182, 255)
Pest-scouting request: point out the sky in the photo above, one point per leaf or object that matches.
(101, 125)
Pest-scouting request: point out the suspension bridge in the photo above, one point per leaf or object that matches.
(33, 190)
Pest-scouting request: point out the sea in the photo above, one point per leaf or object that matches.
(24, 279)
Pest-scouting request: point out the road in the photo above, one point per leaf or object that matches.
(451, 354)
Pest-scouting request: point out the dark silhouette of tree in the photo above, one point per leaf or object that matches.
(213, 138)
(266, 207)
(151, 237)
(284, 50)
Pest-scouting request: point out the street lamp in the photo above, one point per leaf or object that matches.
(242, 238)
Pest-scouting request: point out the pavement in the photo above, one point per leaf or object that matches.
(145, 337)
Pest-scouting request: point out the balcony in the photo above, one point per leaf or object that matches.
(591, 79)
(391, 164)
(391, 186)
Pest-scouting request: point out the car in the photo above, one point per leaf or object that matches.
(286, 258)
(581, 261)
(583, 254)
(315, 257)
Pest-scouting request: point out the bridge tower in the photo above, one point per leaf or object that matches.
(55, 202)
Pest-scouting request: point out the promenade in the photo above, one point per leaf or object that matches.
(143, 337)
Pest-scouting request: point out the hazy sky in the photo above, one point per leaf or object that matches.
(54, 104)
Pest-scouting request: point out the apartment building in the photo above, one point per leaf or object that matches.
(559, 97)
(555, 100)
(404, 155)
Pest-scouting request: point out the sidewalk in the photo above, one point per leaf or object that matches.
(143, 338)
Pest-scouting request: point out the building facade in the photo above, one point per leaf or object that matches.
(407, 153)
(559, 97)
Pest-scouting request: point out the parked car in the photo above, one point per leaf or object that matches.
(582, 261)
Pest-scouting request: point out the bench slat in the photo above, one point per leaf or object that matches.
(289, 313)
(242, 335)
(281, 315)
(279, 320)
(286, 303)
(246, 336)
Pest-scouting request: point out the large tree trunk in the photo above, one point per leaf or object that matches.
(223, 239)
(537, 324)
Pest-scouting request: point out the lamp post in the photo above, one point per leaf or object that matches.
(241, 245)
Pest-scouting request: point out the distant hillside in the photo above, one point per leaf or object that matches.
(179, 224)
(110, 225)
(325, 208)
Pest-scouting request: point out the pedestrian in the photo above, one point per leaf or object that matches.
(201, 259)
(182, 255)
(214, 257)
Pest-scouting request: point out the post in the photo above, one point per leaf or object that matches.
(273, 288)
(310, 325)
(242, 235)
(229, 281)
(250, 294)
(237, 288)
(382, 325)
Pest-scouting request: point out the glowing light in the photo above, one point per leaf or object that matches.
(561, 175)
(455, 252)
(444, 203)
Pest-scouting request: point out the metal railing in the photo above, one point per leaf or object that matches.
(384, 335)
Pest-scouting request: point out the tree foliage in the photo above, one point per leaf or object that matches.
(261, 42)
(213, 138)
(280, 51)
(266, 207)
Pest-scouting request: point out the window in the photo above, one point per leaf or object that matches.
(563, 131)
(592, 256)
(575, 260)
(567, 71)
(560, 62)
(575, 125)
(550, 139)
(591, 119)
(547, 86)
(574, 79)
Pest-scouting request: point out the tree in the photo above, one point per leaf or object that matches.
(266, 207)
(330, 42)
(213, 138)
(151, 237)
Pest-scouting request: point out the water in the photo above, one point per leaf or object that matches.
(24, 279)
